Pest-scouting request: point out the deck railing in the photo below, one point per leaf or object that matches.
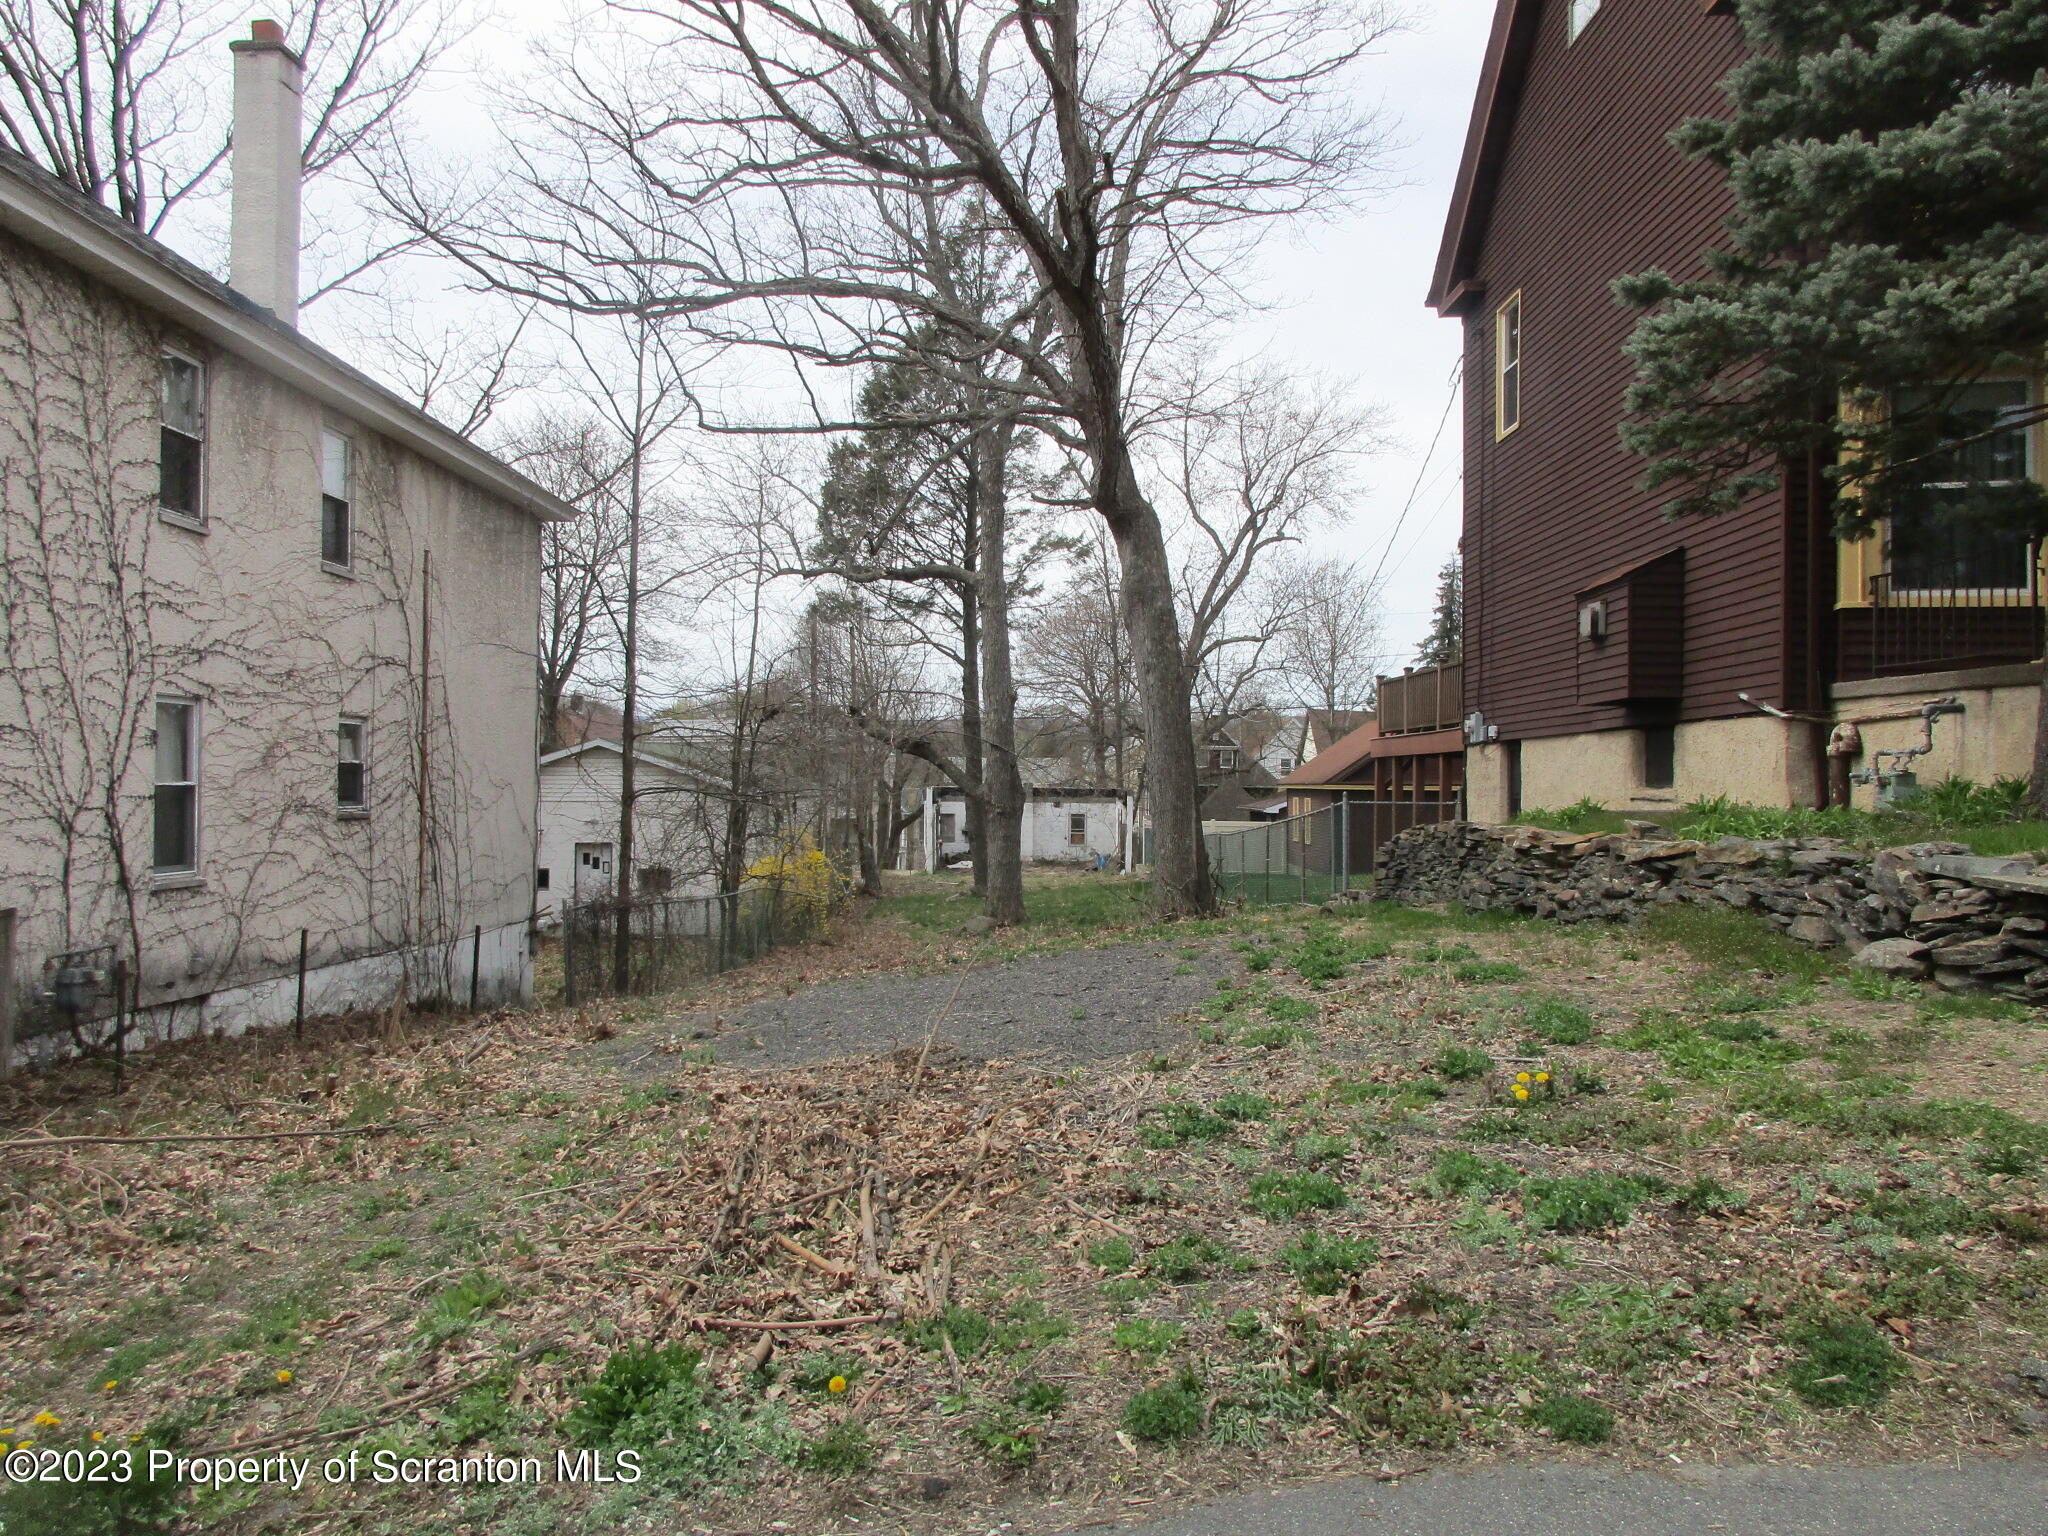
(1431, 699)
(1919, 629)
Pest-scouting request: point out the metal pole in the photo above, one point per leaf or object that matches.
(299, 1017)
(1340, 876)
(476, 962)
(569, 954)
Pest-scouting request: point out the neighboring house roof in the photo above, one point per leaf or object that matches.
(1324, 728)
(1330, 765)
(43, 212)
(600, 744)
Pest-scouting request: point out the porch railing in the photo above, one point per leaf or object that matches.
(1918, 629)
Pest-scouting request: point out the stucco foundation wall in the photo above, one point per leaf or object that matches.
(1993, 737)
(1756, 761)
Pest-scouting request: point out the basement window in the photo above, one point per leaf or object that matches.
(181, 440)
(1660, 756)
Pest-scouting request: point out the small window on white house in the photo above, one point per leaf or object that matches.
(351, 787)
(1077, 828)
(181, 439)
(337, 527)
(540, 878)
(1581, 13)
(176, 847)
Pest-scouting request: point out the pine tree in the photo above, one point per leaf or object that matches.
(1444, 645)
(1888, 250)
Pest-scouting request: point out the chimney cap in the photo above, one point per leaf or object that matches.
(265, 37)
(265, 31)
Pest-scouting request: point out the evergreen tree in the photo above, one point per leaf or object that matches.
(1887, 253)
(1444, 645)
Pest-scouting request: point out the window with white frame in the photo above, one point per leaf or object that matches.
(1507, 367)
(1580, 13)
(351, 775)
(181, 439)
(337, 525)
(1077, 828)
(1962, 446)
(176, 846)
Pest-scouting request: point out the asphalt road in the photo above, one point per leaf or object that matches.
(1981, 1498)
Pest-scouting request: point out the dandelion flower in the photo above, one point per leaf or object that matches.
(109, 1386)
(3, 1447)
(98, 1435)
(1521, 1077)
(1542, 1077)
(1521, 1093)
(284, 1378)
(47, 1420)
(836, 1384)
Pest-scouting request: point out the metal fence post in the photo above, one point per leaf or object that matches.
(299, 1016)
(476, 962)
(1340, 875)
(568, 954)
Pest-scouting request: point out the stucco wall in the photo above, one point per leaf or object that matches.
(1758, 761)
(1993, 738)
(111, 605)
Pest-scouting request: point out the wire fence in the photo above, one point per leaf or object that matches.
(615, 947)
(1313, 857)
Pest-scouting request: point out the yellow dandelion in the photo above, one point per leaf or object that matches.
(836, 1384)
(24, 1445)
(3, 1447)
(1521, 1077)
(109, 1386)
(98, 1435)
(1542, 1077)
(1521, 1093)
(284, 1378)
(47, 1420)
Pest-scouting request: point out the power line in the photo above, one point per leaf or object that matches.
(1415, 489)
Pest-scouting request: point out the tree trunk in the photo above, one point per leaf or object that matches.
(1180, 882)
(1002, 783)
(973, 810)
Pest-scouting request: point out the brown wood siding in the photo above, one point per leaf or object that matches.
(1603, 664)
(1590, 188)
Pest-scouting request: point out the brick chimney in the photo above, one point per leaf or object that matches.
(263, 259)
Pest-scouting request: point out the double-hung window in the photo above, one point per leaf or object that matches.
(1507, 367)
(1077, 828)
(176, 846)
(1954, 451)
(351, 784)
(337, 515)
(181, 439)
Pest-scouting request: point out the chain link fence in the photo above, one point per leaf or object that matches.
(1308, 859)
(654, 944)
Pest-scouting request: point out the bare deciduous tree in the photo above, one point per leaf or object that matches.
(760, 166)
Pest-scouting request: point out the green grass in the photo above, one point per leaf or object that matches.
(1572, 1417)
(1072, 905)
(1284, 1196)
(1844, 1361)
(1147, 1336)
(1585, 1202)
(1165, 1413)
(1461, 1062)
(1323, 1263)
(1557, 1020)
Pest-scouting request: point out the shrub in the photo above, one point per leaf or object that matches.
(1324, 1263)
(1573, 1417)
(1844, 1361)
(1558, 1021)
(1584, 1202)
(1164, 1413)
(1283, 1196)
(1460, 1062)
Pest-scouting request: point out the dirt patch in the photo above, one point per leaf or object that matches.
(1055, 1010)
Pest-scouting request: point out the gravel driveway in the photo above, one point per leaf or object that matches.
(1077, 1005)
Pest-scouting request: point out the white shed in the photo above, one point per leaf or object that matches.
(579, 827)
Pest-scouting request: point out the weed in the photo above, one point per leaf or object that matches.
(1586, 815)
(1290, 1010)
(1461, 1062)
(1114, 1254)
(1415, 1383)
(144, 1504)
(1458, 1172)
(1487, 972)
(844, 1450)
(1176, 1124)
(652, 1400)
(969, 1330)
(1585, 1202)
(384, 1250)
(1284, 1196)
(461, 1305)
(1558, 1021)
(1323, 1263)
(1913, 1214)
(1572, 1417)
(1042, 1397)
(1271, 1037)
(1316, 1148)
(1172, 1411)
(1844, 1361)
(1244, 1106)
(1922, 1283)
(1479, 1226)
(1708, 1196)
(816, 1370)
(1148, 1336)
(1733, 940)
(1189, 1257)
(1445, 954)
(1245, 1325)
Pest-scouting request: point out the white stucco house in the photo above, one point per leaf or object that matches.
(579, 827)
(267, 645)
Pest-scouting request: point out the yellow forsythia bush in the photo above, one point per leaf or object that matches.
(810, 882)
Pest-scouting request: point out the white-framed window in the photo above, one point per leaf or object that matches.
(1077, 828)
(1932, 542)
(175, 849)
(351, 767)
(181, 439)
(1507, 366)
(337, 515)
(1580, 12)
